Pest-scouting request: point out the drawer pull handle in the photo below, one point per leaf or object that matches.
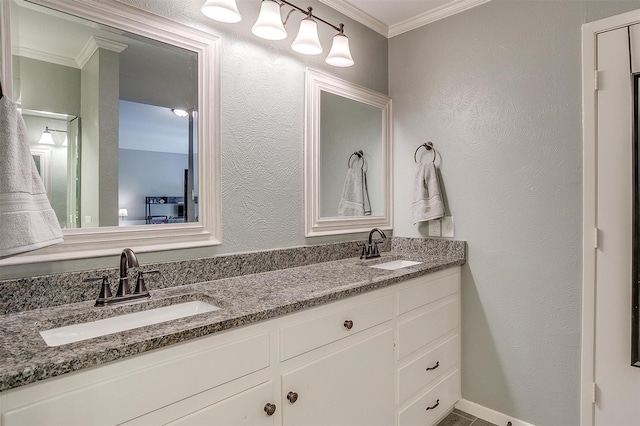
(270, 409)
(434, 367)
(292, 397)
(348, 324)
(434, 405)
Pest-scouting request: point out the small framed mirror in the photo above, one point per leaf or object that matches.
(348, 186)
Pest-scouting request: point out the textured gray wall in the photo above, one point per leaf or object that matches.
(498, 90)
(262, 129)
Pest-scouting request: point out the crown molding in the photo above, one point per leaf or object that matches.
(451, 8)
(94, 43)
(446, 10)
(44, 56)
(358, 15)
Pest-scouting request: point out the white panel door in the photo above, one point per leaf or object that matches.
(618, 383)
(351, 387)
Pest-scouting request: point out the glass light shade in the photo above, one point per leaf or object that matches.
(222, 11)
(269, 24)
(123, 213)
(46, 138)
(180, 112)
(340, 55)
(307, 40)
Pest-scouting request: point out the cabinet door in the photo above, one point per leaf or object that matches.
(353, 386)
(243, 409)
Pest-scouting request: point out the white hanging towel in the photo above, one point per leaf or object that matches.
(27, 221)
(427, 200)
(355, 195)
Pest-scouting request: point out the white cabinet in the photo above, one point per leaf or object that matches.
(385, 357)
(353, 386)
(428, 339)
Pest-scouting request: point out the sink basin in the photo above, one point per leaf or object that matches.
(396, 264)
(89, 330)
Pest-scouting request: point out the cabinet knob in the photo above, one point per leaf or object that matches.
(270, 409)
(292, 397)
(348, 324)
(434, 367)
(429, 408)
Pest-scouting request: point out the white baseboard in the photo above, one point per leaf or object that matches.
(488, 414)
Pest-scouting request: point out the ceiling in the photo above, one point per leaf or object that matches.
(393, 17)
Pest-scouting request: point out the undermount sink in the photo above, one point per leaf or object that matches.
(88, 330)
(395, 264)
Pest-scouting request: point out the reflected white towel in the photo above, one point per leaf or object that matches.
(27, 221)
(355, 195)
(427, 200)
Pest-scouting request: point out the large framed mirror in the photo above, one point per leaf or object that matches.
(348, 142)
(124, 106)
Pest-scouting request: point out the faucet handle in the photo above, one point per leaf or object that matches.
(105, 289)
(141, 288)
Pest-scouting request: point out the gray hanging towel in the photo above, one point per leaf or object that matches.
(355, 195)
(27, 221)
(427, 200)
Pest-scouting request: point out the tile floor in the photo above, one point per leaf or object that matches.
(460, 418)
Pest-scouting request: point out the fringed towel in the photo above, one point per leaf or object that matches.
(427, 201)
(27, 221)
(355, 195)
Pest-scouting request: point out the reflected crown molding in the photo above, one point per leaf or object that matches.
(93, 44)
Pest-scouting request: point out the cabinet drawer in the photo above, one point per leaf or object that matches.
(433, 404)
(243, 409)
(422, 329)
(427, 290)
(428, 368)
(305, 336)
(152, 386)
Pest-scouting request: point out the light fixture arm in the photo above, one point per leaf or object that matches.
(47, 129)
(309, 13)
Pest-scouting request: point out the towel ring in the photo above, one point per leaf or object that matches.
(359, 154)
(429, 147)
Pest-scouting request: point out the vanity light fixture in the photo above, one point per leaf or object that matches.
(122, 213)
(47, 137)
(222, 11)
(270, 26)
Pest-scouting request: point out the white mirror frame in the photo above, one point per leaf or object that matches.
(94, 242)
(317, 82)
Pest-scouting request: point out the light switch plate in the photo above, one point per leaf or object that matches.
(434, 228)
(447, 226)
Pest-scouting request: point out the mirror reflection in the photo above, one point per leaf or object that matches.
(111, 119)
(351, 167)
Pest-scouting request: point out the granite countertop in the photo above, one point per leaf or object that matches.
(242, 300)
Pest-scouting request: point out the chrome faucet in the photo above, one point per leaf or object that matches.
(370, 250)
(127, 259)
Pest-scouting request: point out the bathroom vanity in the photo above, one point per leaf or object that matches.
(337, 343)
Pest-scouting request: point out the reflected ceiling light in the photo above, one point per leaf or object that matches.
(269, 24)
(123, 213)
(340, 55)
(307, 40)
(46, 138)
(222, 11)
(180, 112)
